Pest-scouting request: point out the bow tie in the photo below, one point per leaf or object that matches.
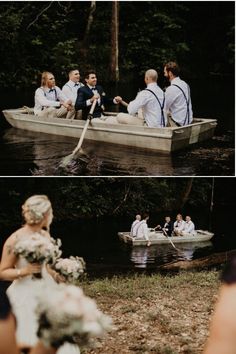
(52, 90)
(76, 85)
(93, 88)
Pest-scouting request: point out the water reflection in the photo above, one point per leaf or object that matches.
(29, 153)
(155, 255)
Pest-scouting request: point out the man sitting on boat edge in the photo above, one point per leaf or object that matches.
(50, 101)
(134, 225)
(178, 225)
(178, 99)
(70, 89)
(152, 102)
(189, 227)
(142, 231)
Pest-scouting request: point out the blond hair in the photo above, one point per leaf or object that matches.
(35, 208)
(44, 77)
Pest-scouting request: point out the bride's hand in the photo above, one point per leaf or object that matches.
(59, 278)
(32, 268)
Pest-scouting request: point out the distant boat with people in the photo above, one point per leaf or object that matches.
(157, 237)
(157, 139)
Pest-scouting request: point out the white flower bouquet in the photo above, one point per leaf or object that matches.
(65, 314)
(70, 268)
(37, 248)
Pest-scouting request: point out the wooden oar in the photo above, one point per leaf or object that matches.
(67, 160)
(165, 233)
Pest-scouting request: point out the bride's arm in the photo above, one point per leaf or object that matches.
(56, 276)
(8, 262)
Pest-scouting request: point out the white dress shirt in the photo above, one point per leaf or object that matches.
(149, 104)
(142, 230)
(70, 90)
(189, 227)
(134, 228)
(176, 102)
(179, 225)
(45, 97)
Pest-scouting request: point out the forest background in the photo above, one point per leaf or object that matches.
(60, 35)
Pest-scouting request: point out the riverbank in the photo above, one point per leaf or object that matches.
(155, 314)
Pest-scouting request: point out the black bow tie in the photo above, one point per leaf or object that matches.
(93, 88)
(51, 90)
(76, 85)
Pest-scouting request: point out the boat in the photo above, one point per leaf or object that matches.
(157, 237)
(158, 139)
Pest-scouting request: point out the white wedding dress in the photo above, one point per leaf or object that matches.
(23, 297)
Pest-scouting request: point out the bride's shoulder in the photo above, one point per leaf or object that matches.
(45, 233)
(14, 236)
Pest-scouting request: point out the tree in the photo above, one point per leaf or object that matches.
(115, 42)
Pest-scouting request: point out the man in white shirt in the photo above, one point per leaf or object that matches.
(178, 99)
(178, 225)
(189, 227)
(142, 231)
(134, 225)
(49, 99)
(151, 101)
(71, 87)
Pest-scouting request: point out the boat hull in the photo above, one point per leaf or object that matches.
(160, 139)
(159, 238)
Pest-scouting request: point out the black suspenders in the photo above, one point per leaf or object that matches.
(56, 98)
(161, 106)
(187, 118)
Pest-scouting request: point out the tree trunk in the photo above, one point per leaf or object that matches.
(114, 63)
(186, 192)
(84, 44)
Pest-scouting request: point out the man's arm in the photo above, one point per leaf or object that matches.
(140, 100)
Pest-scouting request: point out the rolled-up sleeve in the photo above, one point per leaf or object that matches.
(139, 102)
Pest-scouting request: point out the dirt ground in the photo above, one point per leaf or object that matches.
(156, 314)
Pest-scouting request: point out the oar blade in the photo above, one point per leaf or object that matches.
(66, 161)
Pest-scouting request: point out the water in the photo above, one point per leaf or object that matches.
(96, 240)
(25, 153)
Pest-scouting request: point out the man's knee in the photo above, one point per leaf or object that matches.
(124, 118)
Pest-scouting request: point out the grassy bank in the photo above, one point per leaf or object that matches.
(155, 314)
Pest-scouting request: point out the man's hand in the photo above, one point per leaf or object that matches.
(67, 105)
(118, 99)
(95, 97)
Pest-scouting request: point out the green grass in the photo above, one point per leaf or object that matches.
(147, 286)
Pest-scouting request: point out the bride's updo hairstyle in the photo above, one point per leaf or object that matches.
(35, 208)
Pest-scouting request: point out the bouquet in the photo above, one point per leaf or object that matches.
(65, 314)
(70, 268)
(37, 248)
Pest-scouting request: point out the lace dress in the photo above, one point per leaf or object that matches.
(23, 297)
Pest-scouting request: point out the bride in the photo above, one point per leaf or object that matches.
(38, 215)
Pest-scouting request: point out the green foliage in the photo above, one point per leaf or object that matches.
(96, 197)
(37, 36)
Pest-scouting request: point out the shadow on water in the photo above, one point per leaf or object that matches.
(27, 153)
